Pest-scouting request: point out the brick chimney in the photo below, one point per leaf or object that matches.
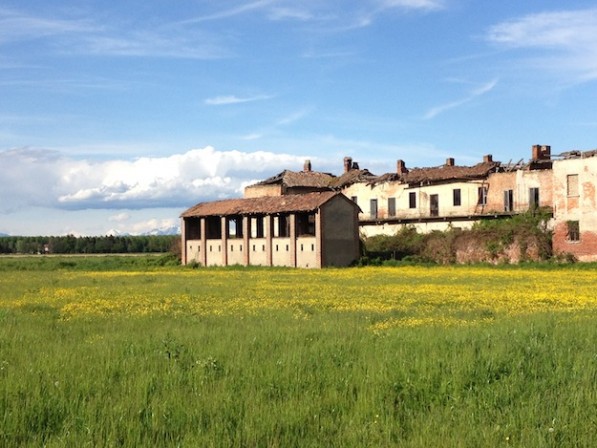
(401, 167)
(450, 161)
(307, 166)
(487, 158)
(347, 164)
(540, 152)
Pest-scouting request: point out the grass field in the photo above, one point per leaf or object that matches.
(134, 352)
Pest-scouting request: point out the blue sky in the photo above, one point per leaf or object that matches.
(121, 115)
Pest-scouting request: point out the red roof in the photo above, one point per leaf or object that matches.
(262, 205)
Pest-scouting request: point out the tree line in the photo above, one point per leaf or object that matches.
(71, 244)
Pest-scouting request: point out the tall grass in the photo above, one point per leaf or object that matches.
(305, 375)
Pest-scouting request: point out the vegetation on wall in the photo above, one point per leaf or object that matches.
(523, 237)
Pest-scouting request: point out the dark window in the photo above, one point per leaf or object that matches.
(482, 196)
(456, 197)
(259, 232)
(283, 226)
(373, 208)
(305, 224)
(434, 205)
(412, 199)
(533, 197)
(508, 200)
(391, 206)
(573, 231)
(213, 227)
(193, 228)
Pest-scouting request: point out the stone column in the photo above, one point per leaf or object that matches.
(224, 240)
(246, 236)
(293, 240)
(319, 247)
(183, 242)
(203, 254)
(268, 228)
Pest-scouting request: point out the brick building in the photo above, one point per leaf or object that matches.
(457, 196)
(309, 230)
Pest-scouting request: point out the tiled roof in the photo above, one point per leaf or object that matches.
(300, 179)
(449, 172)
(352, 177)
(261, 205)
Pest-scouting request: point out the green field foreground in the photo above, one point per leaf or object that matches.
(135, 352)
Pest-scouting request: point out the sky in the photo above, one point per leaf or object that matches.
(118, 116)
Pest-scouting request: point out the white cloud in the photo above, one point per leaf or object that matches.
(293, 117)
(475, 93)
(430, 5)
(568, 38)
(15, 26)
(226, 100)
(84, 36)
(231, 12)
(120, 217)
(45, 178)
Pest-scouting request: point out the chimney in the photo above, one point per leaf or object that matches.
(540, 152)
(488, 158)
(450, 161)
(347, 164)
(307, 166)
(401, 167)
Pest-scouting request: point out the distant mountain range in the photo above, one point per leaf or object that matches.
(174, 230)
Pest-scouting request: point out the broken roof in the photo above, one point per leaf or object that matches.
(262, 205)
(352, 176)
(299, 179)
(449, 173)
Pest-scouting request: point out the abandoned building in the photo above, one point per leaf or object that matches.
(456, 196)
(309, 230)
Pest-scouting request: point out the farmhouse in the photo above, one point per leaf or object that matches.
(575, 205)
(457, 196)
(309, 230)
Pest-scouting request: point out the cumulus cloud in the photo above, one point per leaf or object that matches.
(49, 179)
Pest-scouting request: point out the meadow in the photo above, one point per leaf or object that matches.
(110, 351)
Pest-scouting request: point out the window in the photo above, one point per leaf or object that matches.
(533, 197)
(283, 226)
(573, 233)
(373, 208)
(213, 229)
(235, 227)
(456, 197)
(391, 206)
(482, 196)
(434, 205)
(305, 224)
(259, 233)
(508, 200)
(572, 185)
(412, 199)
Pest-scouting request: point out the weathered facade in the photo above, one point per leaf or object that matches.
(454, 196)
(575, 205)
(309, 230)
